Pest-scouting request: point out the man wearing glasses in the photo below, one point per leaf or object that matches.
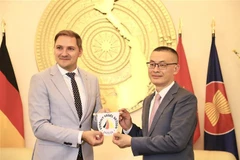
(168, 115)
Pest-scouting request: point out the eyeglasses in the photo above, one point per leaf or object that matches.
(160, 65)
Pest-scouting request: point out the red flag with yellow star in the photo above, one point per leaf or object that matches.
(183, 78)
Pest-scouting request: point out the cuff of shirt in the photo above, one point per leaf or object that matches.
(127, 131)
(80, 137)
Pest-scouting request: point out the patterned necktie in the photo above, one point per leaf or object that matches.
(154, 109)
(77, 99)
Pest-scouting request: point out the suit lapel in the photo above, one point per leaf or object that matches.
(60, 84)
(166, 100)
(86, 85)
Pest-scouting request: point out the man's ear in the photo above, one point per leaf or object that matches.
(80, 52)
(176, 68)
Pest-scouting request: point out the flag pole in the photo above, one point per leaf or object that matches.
(3, 26)
(213, 27)
(180, 27)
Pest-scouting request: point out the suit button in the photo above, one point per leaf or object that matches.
(80, 126)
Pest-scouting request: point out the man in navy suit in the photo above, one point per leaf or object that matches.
(169, 135)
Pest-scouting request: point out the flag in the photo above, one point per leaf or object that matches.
(183, 78)
(219, 132)
(11, 111)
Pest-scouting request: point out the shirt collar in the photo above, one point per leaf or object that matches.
(64, 71)
(164, 91)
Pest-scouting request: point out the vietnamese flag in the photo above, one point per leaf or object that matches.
(11, 110)
(183, 78)
(219, 132)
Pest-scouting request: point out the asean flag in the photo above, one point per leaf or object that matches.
(11, 111)
(219, 132)
(183, 78)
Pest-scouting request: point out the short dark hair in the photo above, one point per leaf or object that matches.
(69, 33)
(166, 48)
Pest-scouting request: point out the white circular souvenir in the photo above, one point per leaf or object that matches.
(108, 122)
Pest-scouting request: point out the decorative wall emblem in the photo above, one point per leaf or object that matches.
(118, 37)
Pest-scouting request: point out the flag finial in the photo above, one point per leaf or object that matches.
(213, 26)
(236, 53)
(3, 26)
(180, 26)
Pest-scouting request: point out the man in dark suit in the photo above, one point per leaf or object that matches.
(168, 115)
(60, 117)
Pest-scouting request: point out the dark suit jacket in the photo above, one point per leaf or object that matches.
(171, 133)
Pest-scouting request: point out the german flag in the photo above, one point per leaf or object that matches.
(11, 110)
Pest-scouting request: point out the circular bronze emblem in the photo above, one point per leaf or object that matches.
(118, 37)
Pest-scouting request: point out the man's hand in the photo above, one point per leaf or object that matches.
(125, 119)
(94, 138)
(122, 140)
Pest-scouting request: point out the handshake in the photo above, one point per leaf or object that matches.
(107, 123)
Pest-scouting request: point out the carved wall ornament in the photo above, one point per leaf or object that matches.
(118, 37)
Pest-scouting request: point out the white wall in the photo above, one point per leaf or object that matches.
(22, 18)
